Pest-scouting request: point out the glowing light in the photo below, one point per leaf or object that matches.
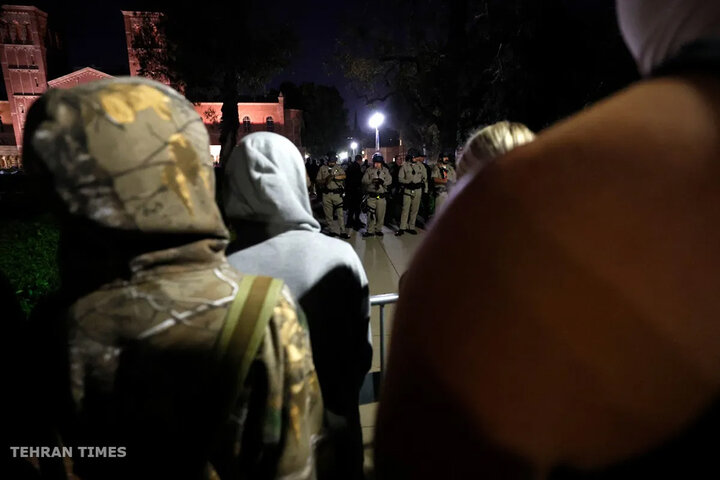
(376, 120)
(353, 146)
(343, 155)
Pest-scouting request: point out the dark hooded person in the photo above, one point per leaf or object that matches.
(267, 204)
(195, 370)
(582, 340)
(355, 193)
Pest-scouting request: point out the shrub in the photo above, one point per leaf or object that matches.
(28, 257)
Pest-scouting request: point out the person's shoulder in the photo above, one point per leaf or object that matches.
(333, 247)
(338, 253)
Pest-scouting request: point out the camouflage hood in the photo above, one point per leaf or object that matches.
(128, 154)
(129, 160)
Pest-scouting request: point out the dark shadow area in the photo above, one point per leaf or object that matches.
(403, 453)
(338, 325)
(692, 453)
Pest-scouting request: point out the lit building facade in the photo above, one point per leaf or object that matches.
(24, 43)
(24, 38)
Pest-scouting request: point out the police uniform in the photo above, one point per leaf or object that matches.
(413, 179)
(442, 171)
(376, 182)
(333, 193)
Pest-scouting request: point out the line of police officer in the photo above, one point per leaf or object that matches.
(413, 183)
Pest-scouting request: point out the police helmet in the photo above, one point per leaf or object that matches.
(378, 158)
(413, 153)
(410, 154)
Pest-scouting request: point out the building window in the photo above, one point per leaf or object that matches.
(270, 124)
(22, 108)
(20, 35)
(36, 82)
(14, 33)
(247, 126)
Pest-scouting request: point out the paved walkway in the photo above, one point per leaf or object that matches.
(385, 260)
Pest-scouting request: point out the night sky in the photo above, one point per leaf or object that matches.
(93, 32)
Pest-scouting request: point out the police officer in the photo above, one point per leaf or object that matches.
(331, 178)
(376, 182)
(413, 180)
(444, 177)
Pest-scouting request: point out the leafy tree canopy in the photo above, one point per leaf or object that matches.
(450, 67)
(216, 51)
(324, 115)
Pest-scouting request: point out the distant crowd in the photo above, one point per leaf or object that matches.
(407, 187)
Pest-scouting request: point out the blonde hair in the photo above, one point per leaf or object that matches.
(492, 142)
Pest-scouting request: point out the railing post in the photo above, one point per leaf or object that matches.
(370, 391)
(382, 339)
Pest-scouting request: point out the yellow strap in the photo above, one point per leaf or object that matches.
(233, 313)
(247, 319)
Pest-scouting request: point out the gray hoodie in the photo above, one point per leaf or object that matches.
(266, 197)
(266, 202)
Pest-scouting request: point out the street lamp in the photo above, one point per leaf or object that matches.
(353, 147)
(376, 120)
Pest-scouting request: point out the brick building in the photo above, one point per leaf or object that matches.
(24, 39)
(24, 43)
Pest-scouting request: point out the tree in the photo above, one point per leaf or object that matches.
(325, 117)
(217, 52)
(451, 67)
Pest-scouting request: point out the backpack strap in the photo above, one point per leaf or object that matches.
(245, 323)
(235, 350)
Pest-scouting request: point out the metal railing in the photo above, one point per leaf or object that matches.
(381, 301)
(370, 391)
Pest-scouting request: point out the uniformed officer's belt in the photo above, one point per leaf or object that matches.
(413, 186)
(336, 190)
(378, 195)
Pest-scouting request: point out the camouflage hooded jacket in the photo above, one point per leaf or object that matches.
(148, 285)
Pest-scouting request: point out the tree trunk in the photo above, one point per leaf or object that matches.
(457, 43)
(230, 122)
